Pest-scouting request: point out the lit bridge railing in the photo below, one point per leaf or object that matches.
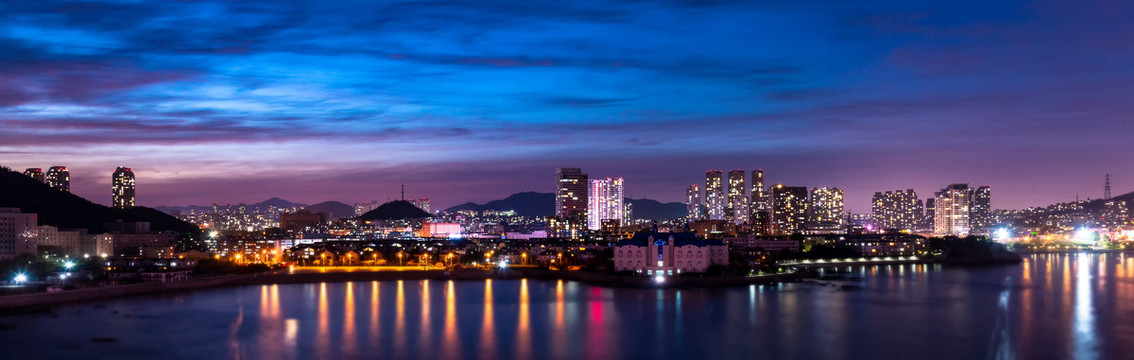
(852, 261)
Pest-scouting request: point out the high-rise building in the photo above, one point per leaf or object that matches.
(693, 202)
(59, 178)
(35, 173)
(714, 195)
(789, 209)
(825, 212)
(18, 232)
(737, 194)
(759, 197)
(759, 215)
(951, 216)
(422, 203)
(571, 194)
(980, 214)
(898, 210)
(930, 215)
(122, 188)
(605, 202)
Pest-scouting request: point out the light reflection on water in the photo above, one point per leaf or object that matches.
(1051, 306)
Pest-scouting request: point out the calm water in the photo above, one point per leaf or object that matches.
(1051, 306)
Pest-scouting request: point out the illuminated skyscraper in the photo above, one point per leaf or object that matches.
(58, 177)
(825, 213)
(35, 173)
(606, 202)
(693, 202)
(122, 188)
(570, 194)
(737, 195)
(759, 216)
(899, 210)
(980, 214)
(951, 216)
(789, 209)
(714, 195)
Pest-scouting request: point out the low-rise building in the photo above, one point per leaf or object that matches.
(665, 254)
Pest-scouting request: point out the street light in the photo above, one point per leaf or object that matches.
(21, 278)
(400, 262)
(525, 256)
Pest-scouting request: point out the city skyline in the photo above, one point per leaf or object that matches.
(342, 102)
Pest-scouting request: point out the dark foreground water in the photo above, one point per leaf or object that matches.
(1073, 306)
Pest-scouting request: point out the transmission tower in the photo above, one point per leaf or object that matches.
(1106, 189)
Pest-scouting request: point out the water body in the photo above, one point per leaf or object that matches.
(1060, 306)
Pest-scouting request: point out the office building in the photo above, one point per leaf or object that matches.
(951, 206)
(59, 178)
(35, 173)
(693, 203)
(122, 188)
(789, 209)
(714, 195)
(605, 202)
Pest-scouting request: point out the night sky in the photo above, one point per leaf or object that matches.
(239, 101)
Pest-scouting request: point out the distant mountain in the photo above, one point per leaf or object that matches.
(525, 204)
(257, 207)
(397, 209)
(655, 210)
(276, 202)
(69, 211)
(334, 209)
(543, 204)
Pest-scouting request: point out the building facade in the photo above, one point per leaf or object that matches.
(951, 210)
(789, 209)
(825, 212)
(571, 194)
(63, 242)
(606, 201)
(980, 213)
(122, 188)
(59, 178)
(35, 173)
(736, 207)
(899, 210)
(714, 195)
(693, 203)
(17, 233)
(668, 254)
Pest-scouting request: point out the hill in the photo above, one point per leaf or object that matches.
(524, 203)
(543, 204)
(257, 207)
(69, 211)
(655, 210)
(335, 210)
(395, 210)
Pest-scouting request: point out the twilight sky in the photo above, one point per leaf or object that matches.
(239, 101)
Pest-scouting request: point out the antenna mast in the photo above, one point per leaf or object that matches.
(1106, 189)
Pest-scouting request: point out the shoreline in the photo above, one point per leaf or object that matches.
(30, 303)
